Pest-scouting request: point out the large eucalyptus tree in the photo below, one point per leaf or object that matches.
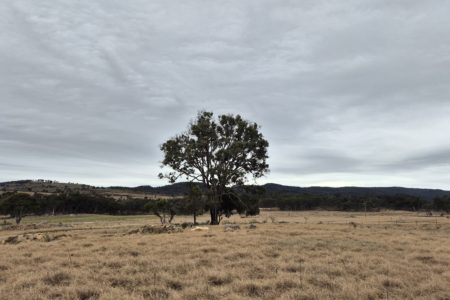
(219, 153)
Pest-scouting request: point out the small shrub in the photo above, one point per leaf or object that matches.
(187, 225)
(253, 290)
(57, 279)
(121, 283)
(174, 285)
(219, 280)
(389, 283)
(88, 294)
(3, 268)
(55, 295)
(285, 285)
(156, 294)
(113, 265)
(47, 238)
(12, 240)
(293, 269)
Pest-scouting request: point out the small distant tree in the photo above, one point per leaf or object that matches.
(243, 199)
(217, 153)
(442, 203)
(17, 205)
(48, 203)
(195, 201)
(251, 196)
(164, 209)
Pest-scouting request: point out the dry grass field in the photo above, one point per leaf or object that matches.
(304, 255)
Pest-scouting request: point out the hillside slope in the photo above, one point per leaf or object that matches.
(178, 189)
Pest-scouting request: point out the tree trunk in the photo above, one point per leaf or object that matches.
(18, 216)
(214, 216)
(195, 218)
(159, 216)
(214, 208)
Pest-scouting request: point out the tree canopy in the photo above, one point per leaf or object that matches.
(219, 153)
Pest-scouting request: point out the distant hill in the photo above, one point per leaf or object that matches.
(179, 189)
(176, 189)
(426, 194)
(272, 188)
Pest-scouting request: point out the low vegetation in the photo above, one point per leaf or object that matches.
(282, 255)
(345, 202)
(244, 200)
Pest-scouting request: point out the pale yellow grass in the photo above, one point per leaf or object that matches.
(315, 255)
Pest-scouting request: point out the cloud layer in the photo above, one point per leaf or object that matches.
(347, 93)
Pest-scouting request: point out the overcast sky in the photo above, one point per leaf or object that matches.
(347, 92)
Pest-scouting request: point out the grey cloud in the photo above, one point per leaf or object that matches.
(319, 161)
(343, 90)
(433, 158)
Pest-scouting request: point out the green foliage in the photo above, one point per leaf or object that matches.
(195, 201)
(442, 203)
(17, 204)
(243, 199)
(251, 197)
(346, 202)
(67, 203)
(165, 209)
(218, 153)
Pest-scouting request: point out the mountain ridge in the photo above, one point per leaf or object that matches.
(181, 188)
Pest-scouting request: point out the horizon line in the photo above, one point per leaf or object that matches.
(168, 184)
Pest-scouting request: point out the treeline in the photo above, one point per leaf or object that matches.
(20, 204)
(355, 203)
(17, 205)
(243, 201)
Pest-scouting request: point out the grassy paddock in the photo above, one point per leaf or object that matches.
(80, 218)
(298, 255)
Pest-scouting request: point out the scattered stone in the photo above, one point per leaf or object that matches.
(232, 227)
(39, 237)
(6, 227)
(206, 223)
(200, 228)
(12, 240)
(155, 229)
(252, 226)
(133, 231)
(187, 225)
(44, 237)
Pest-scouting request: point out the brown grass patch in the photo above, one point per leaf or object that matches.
(391, 254)
(57, 279)
(219, 280)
